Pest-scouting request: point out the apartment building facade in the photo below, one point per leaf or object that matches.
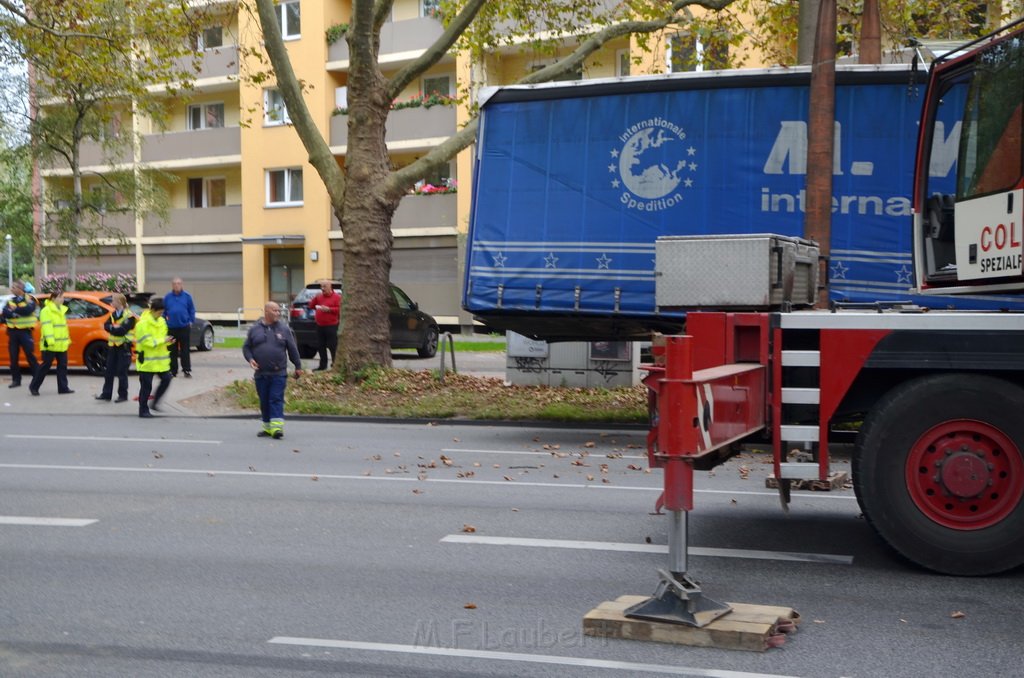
(249, 218)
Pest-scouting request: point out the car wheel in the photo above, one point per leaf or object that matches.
(306, 351)
(205, 340)
(95, 357)
(429, 347)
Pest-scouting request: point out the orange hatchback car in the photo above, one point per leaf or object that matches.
(87, 311)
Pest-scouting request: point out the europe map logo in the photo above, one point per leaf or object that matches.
(654, 161)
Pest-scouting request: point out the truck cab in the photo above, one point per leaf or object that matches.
(968, 230)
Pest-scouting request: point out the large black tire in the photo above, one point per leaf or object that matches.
(95, 357)
(429, 347)
(940, 473)
(306, 351)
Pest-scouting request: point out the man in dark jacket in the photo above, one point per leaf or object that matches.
(180, 313)
(268, 347)
(19, 314)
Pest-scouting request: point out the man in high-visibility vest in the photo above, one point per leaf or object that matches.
(55, 343)
(152, 355)
(20, 316)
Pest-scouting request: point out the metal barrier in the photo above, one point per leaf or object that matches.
(446, 339)
(240, 310)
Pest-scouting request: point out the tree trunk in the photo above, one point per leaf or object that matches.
(366, 228)
(806, 30)
(870, 34)
(821, 135)
(76, 215)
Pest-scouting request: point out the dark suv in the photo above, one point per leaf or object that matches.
(410, 327)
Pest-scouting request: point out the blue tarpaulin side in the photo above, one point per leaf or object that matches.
(571, 193)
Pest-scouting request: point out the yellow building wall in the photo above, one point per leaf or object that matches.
(268, 147)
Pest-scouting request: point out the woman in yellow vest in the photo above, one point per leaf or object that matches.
(55, 342)
(119, 325)
(152, 355)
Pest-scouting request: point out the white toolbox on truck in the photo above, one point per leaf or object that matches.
(759, 271)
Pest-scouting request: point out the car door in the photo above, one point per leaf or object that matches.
(406, 320)
(85, 325)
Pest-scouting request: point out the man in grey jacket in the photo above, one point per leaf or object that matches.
(268, 347)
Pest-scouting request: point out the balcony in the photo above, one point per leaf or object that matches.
(110, 225)
(420, 211)
(224, 144)
(425, 211)
(90, 154)
(396, 38)
(198, 221)
(405, 126)
(218, 62)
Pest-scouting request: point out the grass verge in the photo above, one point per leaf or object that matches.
(460, 346)
(421, 395)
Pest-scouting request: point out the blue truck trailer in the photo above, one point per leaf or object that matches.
(574, 182)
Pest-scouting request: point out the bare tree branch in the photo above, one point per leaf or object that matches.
(436, 52)
(381, 13)
(400, 180)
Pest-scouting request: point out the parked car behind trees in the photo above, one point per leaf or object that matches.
(410, 327)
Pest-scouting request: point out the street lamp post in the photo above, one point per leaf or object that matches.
(10, 262)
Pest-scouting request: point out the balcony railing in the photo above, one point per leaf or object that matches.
(90, 154)
(420, 211)
(196, 221)
(217, 62)
(406, 124)
(425, 211)
(110, 225)
(396, 36)
(192, 144)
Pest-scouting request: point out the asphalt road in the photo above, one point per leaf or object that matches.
(188, 547)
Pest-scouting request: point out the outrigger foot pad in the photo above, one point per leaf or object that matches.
(678, 600)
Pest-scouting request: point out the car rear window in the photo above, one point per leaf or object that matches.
(307, 294)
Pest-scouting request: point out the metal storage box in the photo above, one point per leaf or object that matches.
(755, 271)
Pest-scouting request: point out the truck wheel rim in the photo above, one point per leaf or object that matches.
(965, 475)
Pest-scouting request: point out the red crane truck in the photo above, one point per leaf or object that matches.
(936, 397)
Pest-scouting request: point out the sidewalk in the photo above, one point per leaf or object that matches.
(210, 370)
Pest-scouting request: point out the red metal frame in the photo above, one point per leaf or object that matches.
(695, 412)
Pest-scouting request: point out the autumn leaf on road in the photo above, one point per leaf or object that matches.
(468, 528)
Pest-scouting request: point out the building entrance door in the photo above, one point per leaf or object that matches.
(287, 274)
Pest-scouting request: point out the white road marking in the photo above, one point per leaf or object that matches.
(116, 440)
(46, 522)
(552, 454)
(826, 558)
(409, 478)
(632, 667)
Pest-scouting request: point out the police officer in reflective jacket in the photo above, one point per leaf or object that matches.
(20, 316)
(119, 326)
(56, 339)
